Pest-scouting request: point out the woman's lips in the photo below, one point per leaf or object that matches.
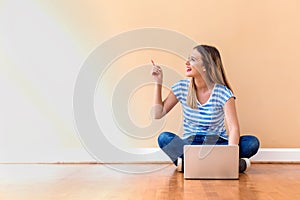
(188, 69)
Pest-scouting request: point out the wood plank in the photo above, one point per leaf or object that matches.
(42, 181)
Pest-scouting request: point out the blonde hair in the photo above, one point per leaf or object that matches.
(215, 73)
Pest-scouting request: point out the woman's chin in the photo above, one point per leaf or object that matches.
(188, 74)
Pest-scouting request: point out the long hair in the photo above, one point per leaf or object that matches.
(215, 73)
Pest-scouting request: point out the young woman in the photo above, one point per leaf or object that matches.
(207, 101)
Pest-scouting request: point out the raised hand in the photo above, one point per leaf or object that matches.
(157, 73)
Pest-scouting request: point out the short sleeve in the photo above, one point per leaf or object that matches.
(225, 94)
(177, 90)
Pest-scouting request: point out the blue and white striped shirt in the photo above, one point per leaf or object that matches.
(208, 118)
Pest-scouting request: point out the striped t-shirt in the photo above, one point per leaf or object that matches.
(208, 118)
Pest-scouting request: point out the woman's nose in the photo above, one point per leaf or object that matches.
(187, 62)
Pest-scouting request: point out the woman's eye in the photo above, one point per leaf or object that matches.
(191, 59)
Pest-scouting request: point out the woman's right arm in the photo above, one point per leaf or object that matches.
(161, 108)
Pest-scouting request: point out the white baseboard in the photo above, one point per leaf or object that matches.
(277, 155)
(264, 155)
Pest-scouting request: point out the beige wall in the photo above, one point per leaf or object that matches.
(258, 40)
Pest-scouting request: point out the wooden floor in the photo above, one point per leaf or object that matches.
(43, 182)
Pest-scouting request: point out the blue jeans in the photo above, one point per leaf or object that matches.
(172, 144)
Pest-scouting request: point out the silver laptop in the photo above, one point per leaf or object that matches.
(211, 162)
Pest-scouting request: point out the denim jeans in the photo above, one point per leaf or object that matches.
(172, 144)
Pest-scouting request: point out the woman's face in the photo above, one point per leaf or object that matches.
(194, 64)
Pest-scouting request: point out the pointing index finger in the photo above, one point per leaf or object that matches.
(152, 62)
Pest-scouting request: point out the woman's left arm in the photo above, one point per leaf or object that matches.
(232, 122)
